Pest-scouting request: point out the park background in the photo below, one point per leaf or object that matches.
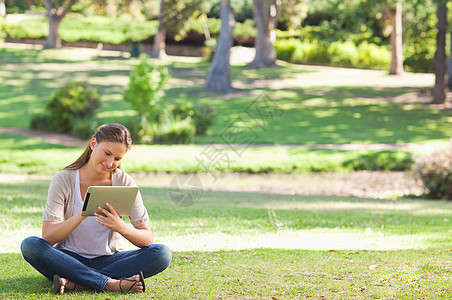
(309, 177)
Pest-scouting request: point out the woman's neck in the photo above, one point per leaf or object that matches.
(91, 177)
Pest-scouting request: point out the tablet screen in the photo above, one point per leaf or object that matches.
(121, 198)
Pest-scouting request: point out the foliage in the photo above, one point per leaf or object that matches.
(285, 49)
(435, 171)
(371, 56)
(171, 131)
(177, 15)
(42, 122)
(381, 161)
(69, 105)
(293, 12)
(243, 9)
(419, 46)
(146, 91)
(202, 116)
(342, 53)
(75, 27)
(336, 54)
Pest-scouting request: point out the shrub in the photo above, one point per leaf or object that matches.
(380, 161)
(286, 48)
(371, 56)
(42, 122)
(145, 91)
(201, 116)
(84, 128)
(73, 101)
(341, 54)
(171, 131)
(435, 171)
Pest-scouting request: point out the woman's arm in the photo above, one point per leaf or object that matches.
(53, 232)
(139, 236)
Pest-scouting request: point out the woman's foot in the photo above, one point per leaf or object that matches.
(60, 285)
(134, 284)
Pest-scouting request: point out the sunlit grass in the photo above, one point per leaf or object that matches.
(37, 156)
(254, 246)
(234, 220)
(319, 105)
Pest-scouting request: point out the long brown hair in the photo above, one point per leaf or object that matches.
(106, 133)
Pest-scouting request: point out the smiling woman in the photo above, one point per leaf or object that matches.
(86, 253)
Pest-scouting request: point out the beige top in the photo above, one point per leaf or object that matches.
(60, 202)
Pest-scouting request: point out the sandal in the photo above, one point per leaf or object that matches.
(57, 285)
(135, 282)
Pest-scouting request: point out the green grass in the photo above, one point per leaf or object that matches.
(308, 110)
(252, 246)
(21, 155)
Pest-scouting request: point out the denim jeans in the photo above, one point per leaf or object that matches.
(95, 272)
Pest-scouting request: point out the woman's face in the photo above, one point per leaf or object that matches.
(106, 156)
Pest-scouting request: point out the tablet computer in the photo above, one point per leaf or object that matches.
(121, 198)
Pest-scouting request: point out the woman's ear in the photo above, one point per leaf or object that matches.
(92, 143)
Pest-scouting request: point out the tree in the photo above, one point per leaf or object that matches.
(56, 11)
(174, 16)
(219, 78)
(395, 15)
(439, 90)
(266, 13)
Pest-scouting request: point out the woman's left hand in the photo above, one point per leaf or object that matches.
(110, 219)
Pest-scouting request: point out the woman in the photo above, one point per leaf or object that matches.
(77, 252)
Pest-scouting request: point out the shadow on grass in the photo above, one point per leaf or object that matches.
(19, 277)
(17, 142)
(26, 285)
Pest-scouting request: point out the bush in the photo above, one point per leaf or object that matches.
(341, 54)
(380, 161)
(72, 102)
(285, 49)
(171, 131)
(435, 172)
(201, 116)
(366, 55)
(84, 128)
(42, 122)
(146, 90)
(371, 56)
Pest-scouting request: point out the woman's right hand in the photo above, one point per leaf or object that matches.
(54, 232)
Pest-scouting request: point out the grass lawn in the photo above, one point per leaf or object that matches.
(304, 104)
(19, 155)
(235, 245)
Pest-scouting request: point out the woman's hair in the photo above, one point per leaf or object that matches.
(106, 133)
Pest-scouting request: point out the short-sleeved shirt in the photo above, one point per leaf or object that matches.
(60, 202)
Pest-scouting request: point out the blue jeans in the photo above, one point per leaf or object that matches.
(95, 272)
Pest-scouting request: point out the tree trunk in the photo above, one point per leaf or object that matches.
(266, 17)
(219, 78)
(439, 90)
(159, 44)
(53, 39)
(55, 15)
(2, 8)
(449, 70)
(395, 15)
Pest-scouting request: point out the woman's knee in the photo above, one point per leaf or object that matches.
(166, 254)
(31, 245)
(163, 253)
